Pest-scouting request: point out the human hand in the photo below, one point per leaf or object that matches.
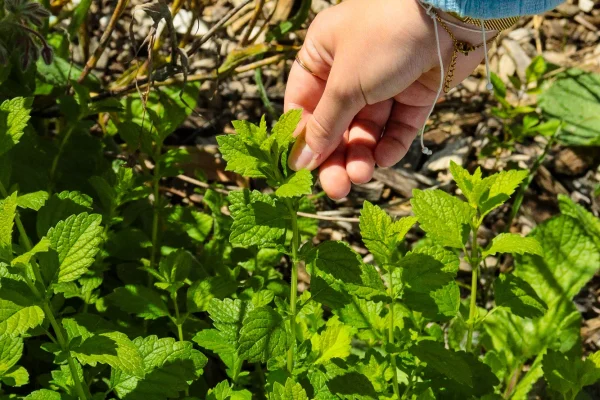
(375, 75)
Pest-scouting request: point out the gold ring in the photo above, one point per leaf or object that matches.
(304, 66)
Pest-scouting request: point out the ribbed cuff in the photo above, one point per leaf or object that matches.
(492, 9)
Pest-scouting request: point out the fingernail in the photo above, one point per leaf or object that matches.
(302, 157)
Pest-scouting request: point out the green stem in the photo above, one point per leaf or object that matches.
(61, 147)
(156, 211)
(474, 280)
(391, 338)
(46, 305)
(294, 282)
(177, 323)
(65, 347)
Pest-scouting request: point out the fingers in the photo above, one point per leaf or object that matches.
(332, 174)
(365, 132)
(400, 131)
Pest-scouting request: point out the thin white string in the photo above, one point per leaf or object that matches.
(489, 85)
(428, 10)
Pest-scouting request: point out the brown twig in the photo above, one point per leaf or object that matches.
(196, 46)
(252, 23)
(142, 82)
(91, 63)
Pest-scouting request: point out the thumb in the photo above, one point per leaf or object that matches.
(336, 109)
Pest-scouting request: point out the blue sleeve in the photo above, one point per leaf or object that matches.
(490, 9)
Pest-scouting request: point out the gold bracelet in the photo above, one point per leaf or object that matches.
(457, 47)
(499, 24)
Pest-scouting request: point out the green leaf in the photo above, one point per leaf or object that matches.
(263, 335)
(380, 234)
(588, 221)
(296, 185)
(284, 128)
(41, 247)
(352, 385)
(59, 207)
(139, 300)
(33, 201)
(168, 367)
(445, 218)
(14, 115)
(573, 98)
(568, 374)
(8, 208)
(176, 267)
(472, 375)
(99, 346)
(334, 342)
(536, 69)
(258, 219)
(239, 160)
(250, 132)
(338, 261)
(571, 258)
(44, 394)
(514, 244)
(501, 186)
(291, 391)
(11, 350)
(517, 295)
(18, 309)
(421, 273)
(16, 376)
(203, 291)
(76, 240)
(467, 183)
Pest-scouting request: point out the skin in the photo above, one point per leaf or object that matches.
(376, 74)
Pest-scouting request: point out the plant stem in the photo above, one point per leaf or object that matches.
(294, 283)
(391, 338)
(474, 280)
(177, 323)
(65, 347)
(156, 210)
(61, 147)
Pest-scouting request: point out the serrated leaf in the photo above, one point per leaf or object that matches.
(20, 320)
(445, 218)
(251, 132)
(421, 273)
(41, 247)
(568, 374)
(517, 295)
(11, 350)
(8, 208)
(589, 222)
(59, 207)
(139, 300)
(380, 234)
(203, 291)
(339, 261)
(284, 128)
(263, 335)
(501, 186)
(14, 115)
(296, 185)
(76, 240)
(16, 376)
(112, 348)
(258, 219)
(176, 267)
(168, 367)
(33, 201)
(437, 305)
(239, 160)
(44, 394)
(333, 342)
(473, 376)
(362, 314)
(352, 386)
(467, 183)
(514, 244)
(291, 391)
